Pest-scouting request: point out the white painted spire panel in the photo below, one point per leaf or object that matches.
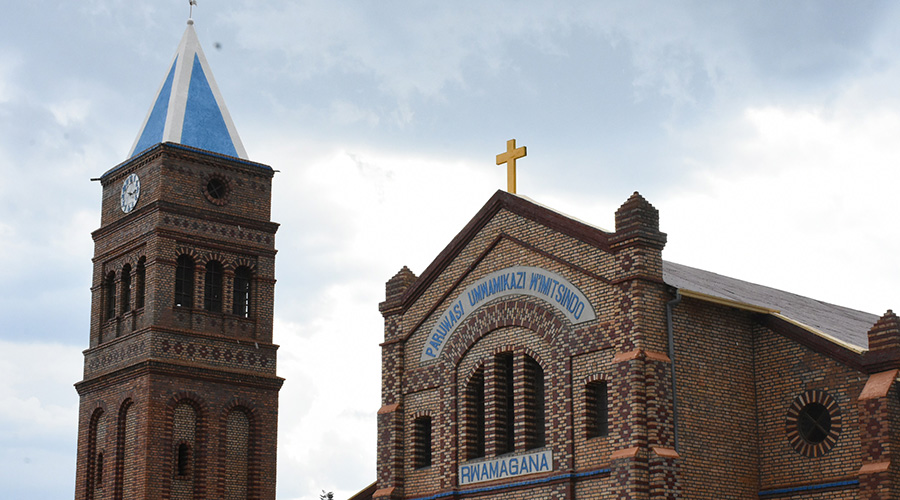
(189, 109)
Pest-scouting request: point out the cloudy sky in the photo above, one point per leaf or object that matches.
(766, 133)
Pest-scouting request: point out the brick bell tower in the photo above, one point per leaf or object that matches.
(180, 394)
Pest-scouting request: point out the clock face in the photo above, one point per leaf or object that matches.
(131, 191)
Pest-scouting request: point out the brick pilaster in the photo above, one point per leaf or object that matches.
(876, 427)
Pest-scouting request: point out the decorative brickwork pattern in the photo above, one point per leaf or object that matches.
(736, 374)
(189, 386)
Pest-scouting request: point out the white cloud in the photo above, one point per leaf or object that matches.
(806, 204)
(38, 418)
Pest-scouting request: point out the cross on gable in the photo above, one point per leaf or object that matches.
(509, 157)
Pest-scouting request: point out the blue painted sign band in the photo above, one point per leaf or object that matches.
(517, 280)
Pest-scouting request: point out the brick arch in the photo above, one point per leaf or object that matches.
(480, 365)
(207, 257)
(190, 252)
(125, 406)
(595, 377)
(515, 311)
(242, 262)
(91, 477)
(201, 427)
(515, 349)
(253, 447)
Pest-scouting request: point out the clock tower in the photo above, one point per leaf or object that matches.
(179, 397)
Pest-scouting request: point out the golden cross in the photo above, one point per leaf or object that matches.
(509, 157)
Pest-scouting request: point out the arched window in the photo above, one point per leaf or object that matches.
(110, 286)
(596, 403)
(422, 442)
(241, 304)
(126, 288)
(184, 281)
(212, 291)
(140, 280)
(534, 404)
(475, 416)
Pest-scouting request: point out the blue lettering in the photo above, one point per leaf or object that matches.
(499, 469)
(513, 466)
(544, 465)
(464, 474)
(523, 467)
(478, 294)
(521, 284)
(429, 352)
(533, 463)
(534, 282)
(458, 310)
(485, 472)
(578, 310)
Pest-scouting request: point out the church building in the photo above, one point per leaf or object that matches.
(180, 394)
(541, 357)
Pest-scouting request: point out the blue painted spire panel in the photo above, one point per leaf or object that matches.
(188, 108)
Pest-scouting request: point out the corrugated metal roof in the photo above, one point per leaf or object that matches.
(844, 324)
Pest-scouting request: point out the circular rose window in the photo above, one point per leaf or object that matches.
(813, 423)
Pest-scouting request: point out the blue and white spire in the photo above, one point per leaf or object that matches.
(189, 108)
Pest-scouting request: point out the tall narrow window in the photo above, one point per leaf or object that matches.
(422, 442)
(126, 288)
(534, 404)
(184, 281)
(212, 292)
(506, 404)
(140, 280)
(110, 286)
(596, 402)
(99, 482)
(241, 304)
(182, 466)
(475, 416)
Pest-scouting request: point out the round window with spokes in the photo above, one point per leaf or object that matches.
(813, 423)
(217, 190)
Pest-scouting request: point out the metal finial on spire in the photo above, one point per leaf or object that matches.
(191, 12)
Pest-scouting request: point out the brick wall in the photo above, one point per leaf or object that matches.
(736, 377)
(153, 370)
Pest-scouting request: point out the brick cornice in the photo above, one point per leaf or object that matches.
(194, 372)
(170, 150)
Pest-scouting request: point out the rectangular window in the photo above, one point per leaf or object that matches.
(534, 404)
(475, 416)
(184, 282)
(212, 294)
(422, 443)
(597, 405)
(506, 406)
